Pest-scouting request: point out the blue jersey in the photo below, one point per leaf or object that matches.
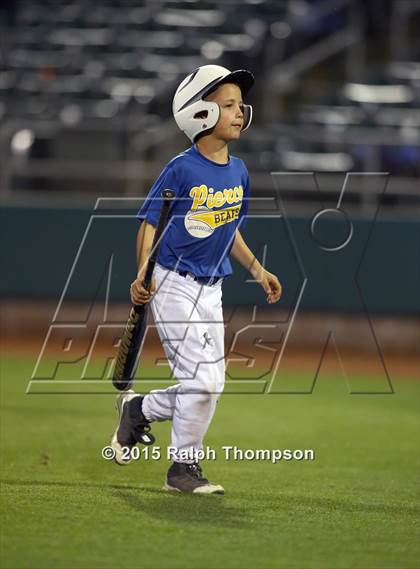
(211, 201)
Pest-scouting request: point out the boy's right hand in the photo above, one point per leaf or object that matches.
(139, 295)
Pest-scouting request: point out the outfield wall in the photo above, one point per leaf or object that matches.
(377, 270)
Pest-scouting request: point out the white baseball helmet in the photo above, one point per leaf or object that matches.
(191, 113)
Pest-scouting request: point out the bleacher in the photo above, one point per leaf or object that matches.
(86, 89)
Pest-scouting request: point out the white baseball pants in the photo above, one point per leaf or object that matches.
(189, 320)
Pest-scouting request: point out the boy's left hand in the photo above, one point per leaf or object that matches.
(271, 285)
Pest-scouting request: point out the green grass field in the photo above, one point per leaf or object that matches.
(354, 506)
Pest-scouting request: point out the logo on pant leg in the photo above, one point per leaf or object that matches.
(208, 340)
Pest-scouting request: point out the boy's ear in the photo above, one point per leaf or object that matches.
(201, 115)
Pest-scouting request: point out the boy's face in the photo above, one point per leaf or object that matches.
(229, 98)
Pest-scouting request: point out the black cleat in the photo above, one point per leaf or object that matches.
(189, 478)
(132, 428)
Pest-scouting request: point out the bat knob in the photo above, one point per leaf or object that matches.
(168, 194)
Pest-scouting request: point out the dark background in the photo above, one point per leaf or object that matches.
(85, 113)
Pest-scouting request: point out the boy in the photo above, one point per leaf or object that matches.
(186, 296)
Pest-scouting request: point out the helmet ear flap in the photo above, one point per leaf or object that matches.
(197, 118)
(247, 116)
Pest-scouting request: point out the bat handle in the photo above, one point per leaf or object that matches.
(167, 196)
(128, 354)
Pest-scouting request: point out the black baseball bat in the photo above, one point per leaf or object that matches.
(129, 350)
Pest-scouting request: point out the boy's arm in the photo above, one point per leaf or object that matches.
(144, 244)
(270, 283)
(139, 295)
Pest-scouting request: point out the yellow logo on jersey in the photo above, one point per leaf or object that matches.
(216, 218)
(202, 220)
(207, 197)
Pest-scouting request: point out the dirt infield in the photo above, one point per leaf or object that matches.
(328, 342)
(298, 360)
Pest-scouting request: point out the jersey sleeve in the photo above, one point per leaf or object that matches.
(168, 179)
(245, 200)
